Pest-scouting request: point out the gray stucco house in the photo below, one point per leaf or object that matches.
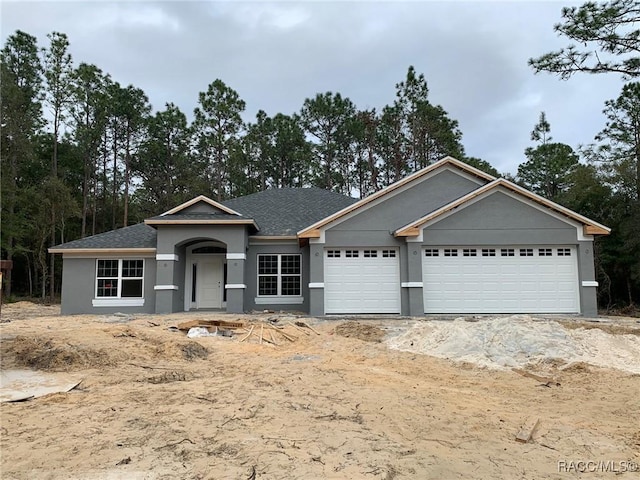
(446, 239)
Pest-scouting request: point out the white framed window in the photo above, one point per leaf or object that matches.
(526, 252)
(564, 252)
(370, 253)
(450, 252)
(506, 252)
(333, 253)
(352, 253)
(279, 275)
(431, 252)
(545, 252)
(388, 254)
(469, 252)
(119, 278)
(488, 252)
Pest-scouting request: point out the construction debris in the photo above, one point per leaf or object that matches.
(526, 431)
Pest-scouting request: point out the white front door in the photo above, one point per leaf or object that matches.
(209, 282)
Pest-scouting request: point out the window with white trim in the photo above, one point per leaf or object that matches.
(118, 278)
(545, 252)
(506, 252)
(469, 252)
(488, 252)
(564, 252)
(431, 252)
(279, 275)
(388, 254)
(370, 253)
(351, 254)
(333, 253)
(450, 252)
(526, 252)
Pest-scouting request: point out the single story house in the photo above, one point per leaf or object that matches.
(447, 239)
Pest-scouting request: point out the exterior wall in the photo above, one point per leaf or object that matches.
(502, 220)
(171, 241)
(499, 219)
(251, 275)
(79, 283)
(404, 207)
(587, 273)
(201, 207)
(373, 227)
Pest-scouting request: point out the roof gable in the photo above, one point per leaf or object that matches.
(415, 228)
(192, 207)
(313, 231)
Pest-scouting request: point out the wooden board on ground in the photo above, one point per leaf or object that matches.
(526, 431)
(185, 326)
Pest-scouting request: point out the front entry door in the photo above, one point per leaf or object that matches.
(210, 282)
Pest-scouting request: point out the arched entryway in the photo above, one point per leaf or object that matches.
(205, 275)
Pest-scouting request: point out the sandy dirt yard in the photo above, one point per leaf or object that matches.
(339, 403)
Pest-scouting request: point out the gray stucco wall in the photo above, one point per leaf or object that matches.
(500, 220)
(374, 228)
(79, 283)
(173, 238)
(408, 205)
(251, 278)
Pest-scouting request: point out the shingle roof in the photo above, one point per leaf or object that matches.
(286, 211)
(134, 236)
(277, 212)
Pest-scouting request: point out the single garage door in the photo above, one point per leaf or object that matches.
(358, 280)
(532, 279)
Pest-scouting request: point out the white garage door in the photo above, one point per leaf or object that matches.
(361, 281)
(500, 280)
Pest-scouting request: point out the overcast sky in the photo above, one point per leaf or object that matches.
(276, 54)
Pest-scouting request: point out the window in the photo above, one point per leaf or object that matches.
(351, 253)
(545, 252)
(450, 252)
(564, 252)
(506, 252)
(431, 252)
(469, 252)
(488, 252)
(526, 252)
(370, 253)
(279, 275)
(333, 253)
(388, 253)
(119, 278)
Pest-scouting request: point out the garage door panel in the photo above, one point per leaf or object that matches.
(533, 279)
(362, 284)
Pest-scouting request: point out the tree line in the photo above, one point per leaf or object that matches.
(82, 154)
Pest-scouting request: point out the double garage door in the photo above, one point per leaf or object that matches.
(535, 279)
(531, 279)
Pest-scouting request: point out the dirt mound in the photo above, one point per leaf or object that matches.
(46, 354)
(181, 350)
(361, 331)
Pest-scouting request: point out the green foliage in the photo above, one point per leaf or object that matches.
(620, 142)
(217, 127)
(605, 40)
(481, 165)
(548, 169)
(327, 119)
